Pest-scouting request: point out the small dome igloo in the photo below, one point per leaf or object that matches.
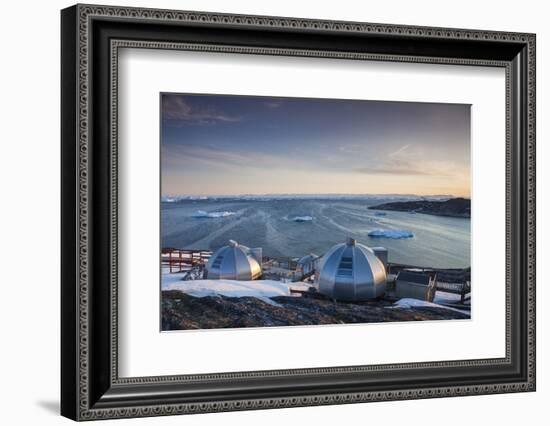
(351, 272)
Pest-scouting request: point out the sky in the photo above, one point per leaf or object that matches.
(234, 145)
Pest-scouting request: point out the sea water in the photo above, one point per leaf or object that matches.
(281, 229)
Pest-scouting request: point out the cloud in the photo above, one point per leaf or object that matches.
(408, 162)
(353, 148)
(411, 171)
(400, 151)
(211, 156)
(178, 111)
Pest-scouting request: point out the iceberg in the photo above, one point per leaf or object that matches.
(303, 219)
(212, 215)
(394, 234)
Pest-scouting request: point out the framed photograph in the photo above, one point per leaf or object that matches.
(270, 172)
(263, 212)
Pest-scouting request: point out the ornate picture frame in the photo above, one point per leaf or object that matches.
(91, 37)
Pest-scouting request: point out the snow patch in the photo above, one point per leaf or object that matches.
(261, 289)
(269, 301)
(408, 303)
(444, 297)
(394, 234)
(212, 215)
(415, 303)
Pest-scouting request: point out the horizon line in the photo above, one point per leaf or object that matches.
(315, 194)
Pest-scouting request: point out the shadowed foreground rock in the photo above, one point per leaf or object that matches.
(183, 312)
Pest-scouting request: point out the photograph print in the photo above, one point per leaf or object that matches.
(280, 211)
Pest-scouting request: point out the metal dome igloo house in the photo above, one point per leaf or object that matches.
(234, 262)
(351, 272)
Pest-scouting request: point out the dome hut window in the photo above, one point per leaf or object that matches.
(346, 267)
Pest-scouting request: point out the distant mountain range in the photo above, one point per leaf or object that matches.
(454, 207)
(268, 197)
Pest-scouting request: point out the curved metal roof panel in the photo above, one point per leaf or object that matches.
(352, 272)
(233, 262)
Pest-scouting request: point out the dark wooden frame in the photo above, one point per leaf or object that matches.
(90, 386)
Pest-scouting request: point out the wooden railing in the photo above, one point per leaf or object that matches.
(455, 288)
(180, 260)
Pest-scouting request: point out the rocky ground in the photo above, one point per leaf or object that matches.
(455, 207)
(183, 312)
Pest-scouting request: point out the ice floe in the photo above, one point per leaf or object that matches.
(212, 215)
(302, 218)
(394, 234)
